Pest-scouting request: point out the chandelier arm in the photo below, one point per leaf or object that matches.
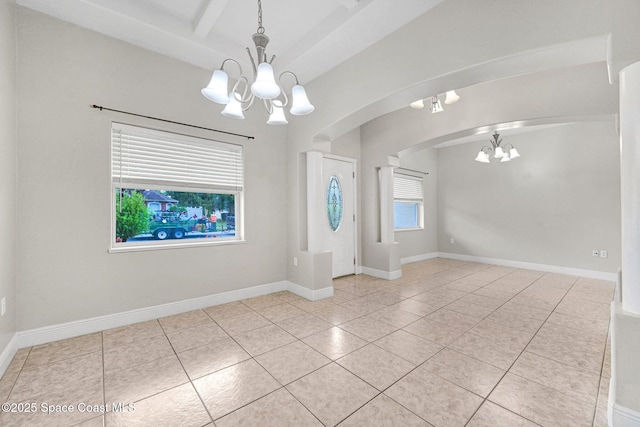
(495, 142)
(290, 73)
(231, 60)
(243, 98)
(253, 63)
(250, 100)
(268, 104)
(284, 93)
(273, 57)
(284, 102)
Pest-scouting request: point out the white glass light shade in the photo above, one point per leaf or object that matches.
(233, 108)
(436, 106)
(499, 153)
(451, 97)
(482, 157)
(277, 116)
(216, 91)
(300, 104)
(513, 153)
(505, 158)
(265, 86)
(416, 105)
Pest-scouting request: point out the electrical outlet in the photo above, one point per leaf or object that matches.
(595, 252)
(295, 261)
(453, 240)
(604, 254)
(3, 306)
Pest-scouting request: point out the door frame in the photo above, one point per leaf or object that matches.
(316, 209)
(356, 221)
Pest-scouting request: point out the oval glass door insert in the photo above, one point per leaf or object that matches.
(334, 203)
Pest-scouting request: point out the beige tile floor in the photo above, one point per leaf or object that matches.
(452, 343)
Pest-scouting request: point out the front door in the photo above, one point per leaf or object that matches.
(339, 236)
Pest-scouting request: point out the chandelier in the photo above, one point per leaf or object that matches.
(498, 151)
(451, 97)
(264, 86)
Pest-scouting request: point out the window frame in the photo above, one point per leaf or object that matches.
(409, 198)
(118, 182)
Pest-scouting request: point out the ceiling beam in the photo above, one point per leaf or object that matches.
(208, 17)
(350, 4)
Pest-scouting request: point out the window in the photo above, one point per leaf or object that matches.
(407, 202)
(171, 190)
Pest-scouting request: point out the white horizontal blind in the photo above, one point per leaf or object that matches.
(149, 157)
(407, 187)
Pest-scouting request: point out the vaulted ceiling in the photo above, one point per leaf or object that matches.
(307, 37)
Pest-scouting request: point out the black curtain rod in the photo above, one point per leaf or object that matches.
(100, 107)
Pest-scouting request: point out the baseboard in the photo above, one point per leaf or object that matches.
(592, 274)
(312, 295)
(416, 258)
(624, 417)
(388, 275)
(86, 326)
(7, 354)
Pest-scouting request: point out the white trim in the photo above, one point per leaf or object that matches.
(623, 326)
(592, 274)
(312, 295)
(61, 331)
(416, 258)
(624, 417)
(388, 275)
(96, 324)
(315, 202)
(8, 353)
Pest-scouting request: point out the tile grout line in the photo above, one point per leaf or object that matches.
(332, 325)
(485, 399)
(604, 358)
(524, 349)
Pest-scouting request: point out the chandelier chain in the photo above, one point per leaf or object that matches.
(260, 27)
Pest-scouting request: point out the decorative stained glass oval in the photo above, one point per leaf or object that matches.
(334, 203)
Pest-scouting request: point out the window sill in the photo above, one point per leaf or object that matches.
(157, 247)
(408, 229)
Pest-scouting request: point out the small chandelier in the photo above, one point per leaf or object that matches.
(264, 86)
(499, 152)
(451, 97)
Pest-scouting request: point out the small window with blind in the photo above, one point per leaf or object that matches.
(173, 190)
(408, 202)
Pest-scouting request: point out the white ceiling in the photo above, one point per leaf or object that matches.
(308, 37)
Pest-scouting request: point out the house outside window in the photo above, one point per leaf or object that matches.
(173, 190)
(408, 202)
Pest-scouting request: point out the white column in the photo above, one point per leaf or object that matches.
(315, 202)
(386, 204)
(630, 185)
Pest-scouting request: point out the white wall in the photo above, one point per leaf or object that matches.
(552, 206)
(64, 270)
(536, 97)
(7, 169)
